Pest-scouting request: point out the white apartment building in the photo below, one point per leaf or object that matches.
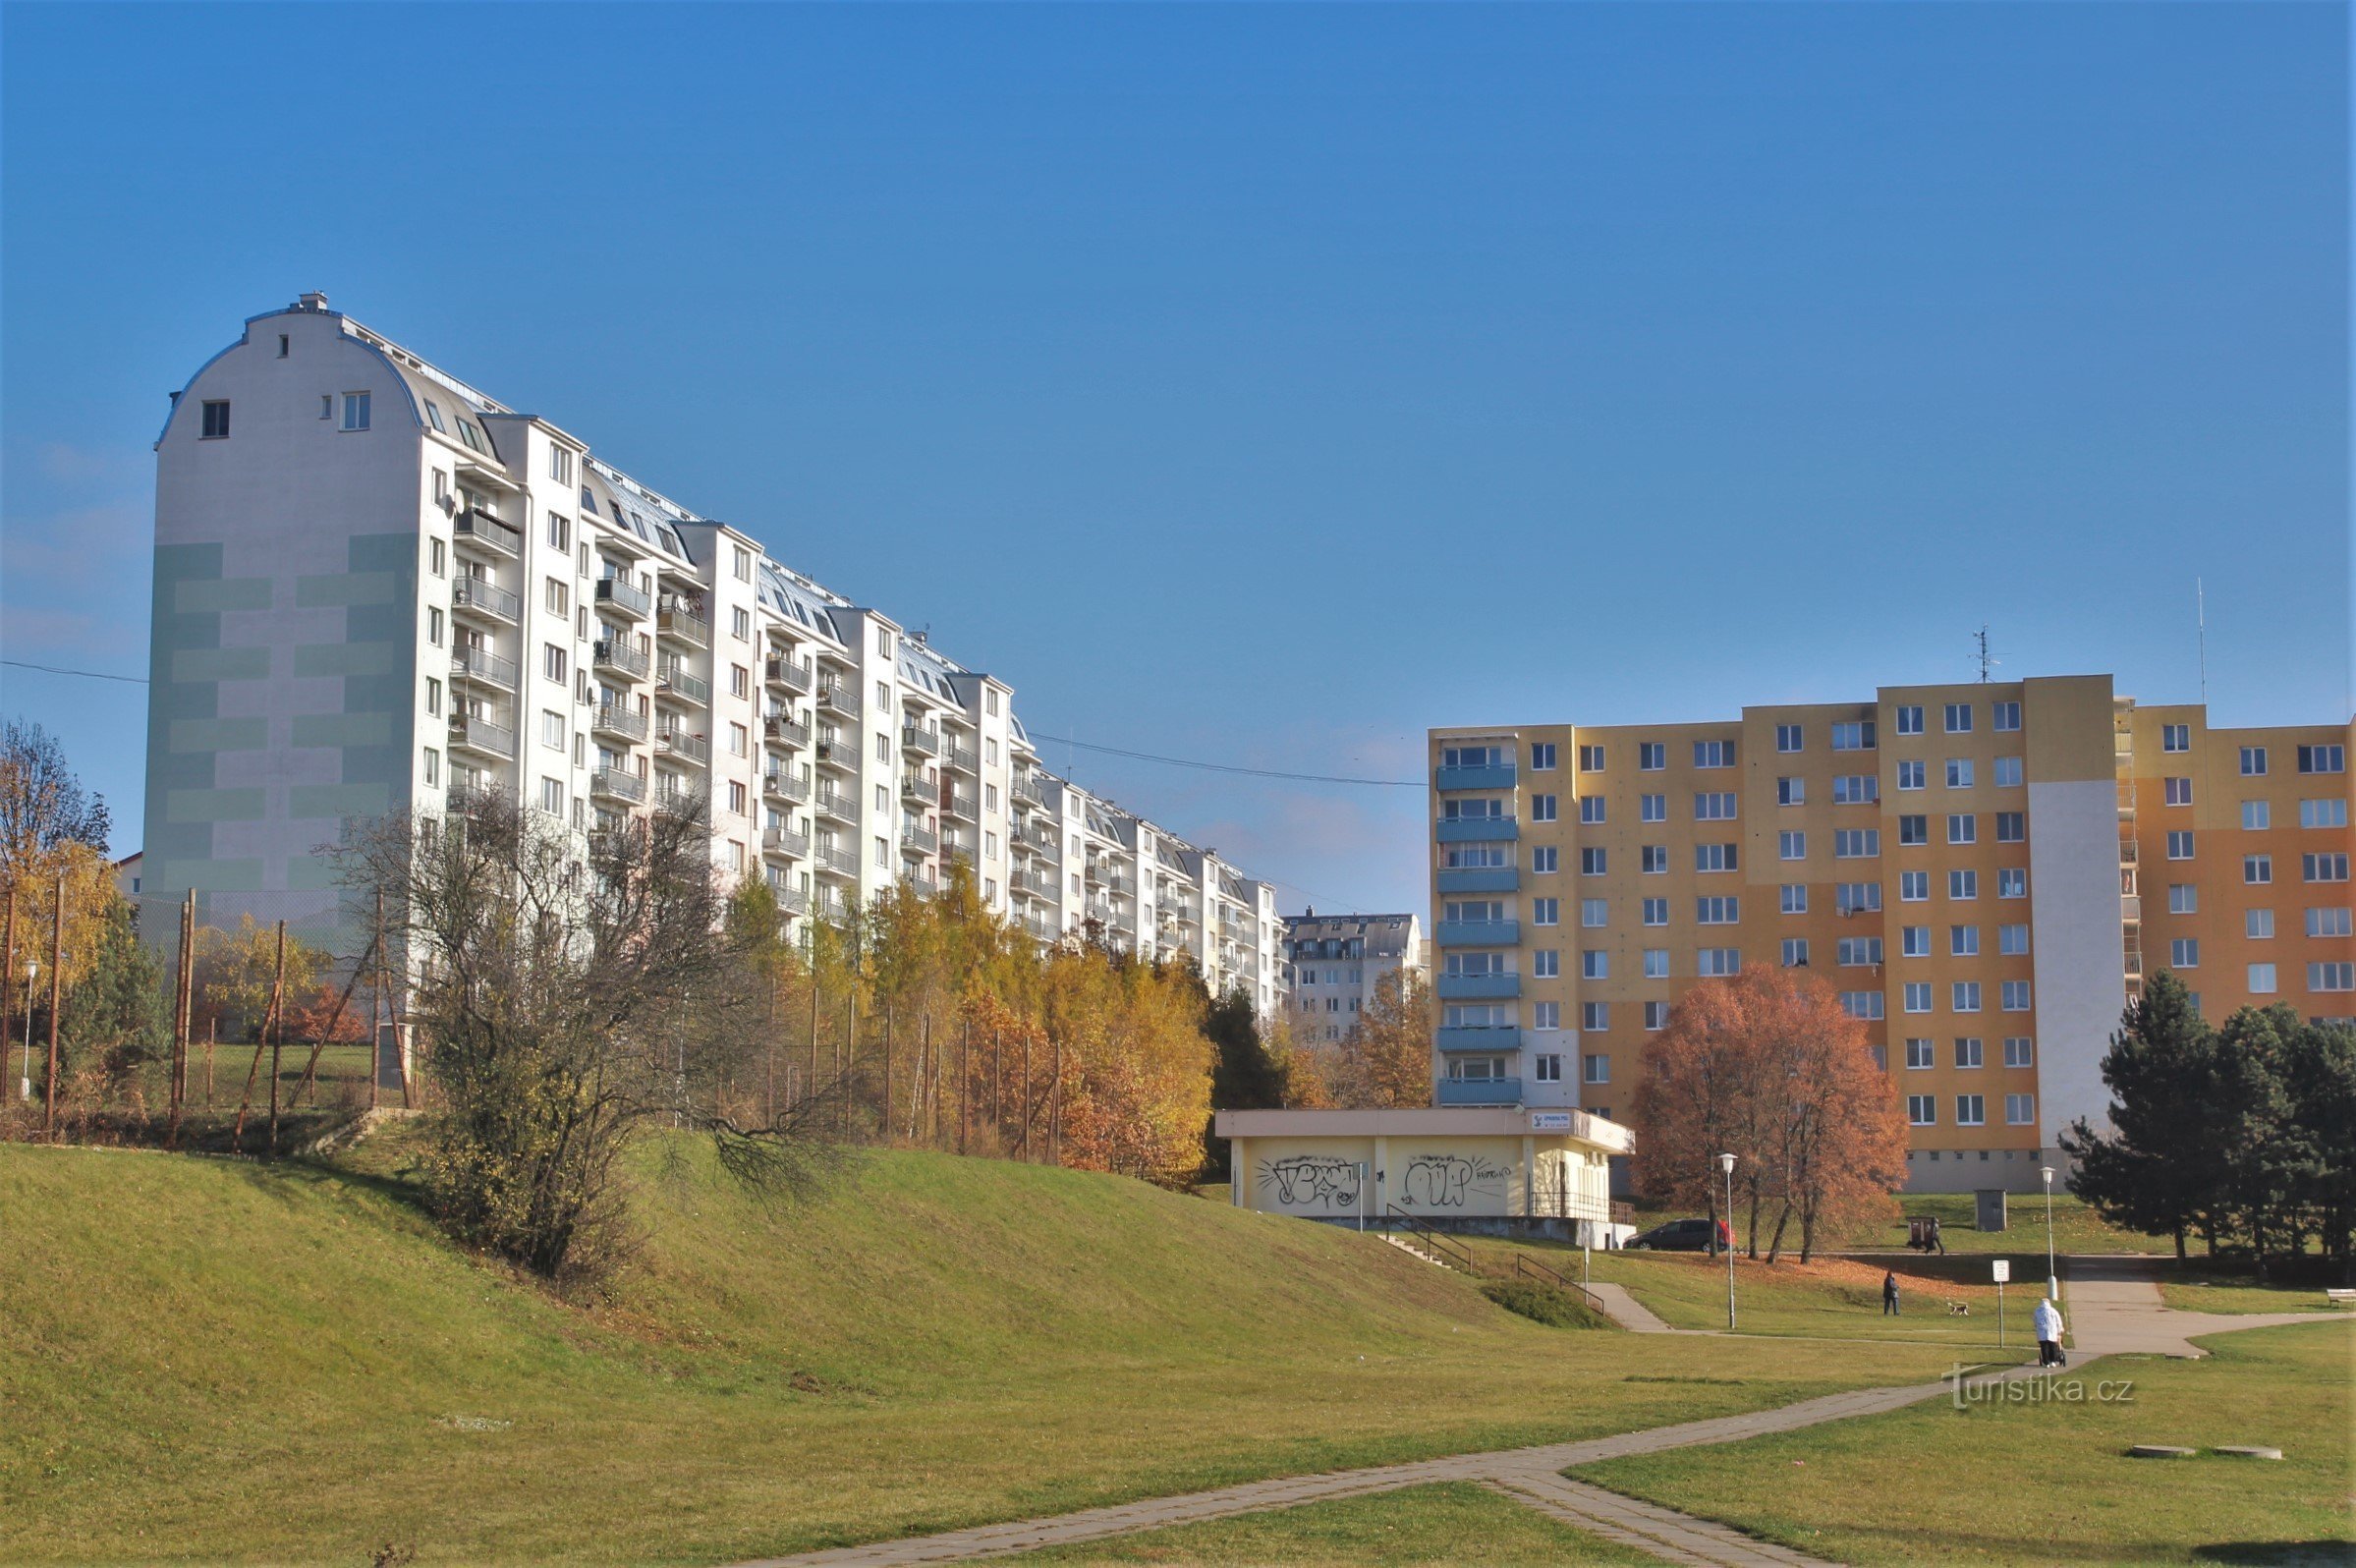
(376, 587)
(1338, 960)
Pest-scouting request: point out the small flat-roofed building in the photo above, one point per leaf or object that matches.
(1543, 1171)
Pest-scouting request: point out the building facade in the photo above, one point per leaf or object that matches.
(1337, 963)
(1985, 872)
(377, 588)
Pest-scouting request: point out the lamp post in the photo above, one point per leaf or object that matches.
(2053, 1279)
(1726, 1166)
(33, 969)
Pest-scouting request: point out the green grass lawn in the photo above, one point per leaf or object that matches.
(1416, 1527)
(2077, 1228)
(221, 1361)
(2050, 1482)
(2225, 1293)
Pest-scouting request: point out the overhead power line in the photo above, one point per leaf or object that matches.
(91, 675)
(1230, 767)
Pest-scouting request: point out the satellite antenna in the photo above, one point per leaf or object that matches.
(1986, 664)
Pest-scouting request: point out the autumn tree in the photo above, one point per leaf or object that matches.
(237, 971)
(1385, 1062)
(52, 832)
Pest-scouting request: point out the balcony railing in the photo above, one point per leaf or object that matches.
(626, 596)
(1476, 829)
(961, 807)
(481, 734)
(1493, 1037)
(486, 596)
(1028, 788)
(1492, 776)
(792, 900)
(1480, 879)
(785, 729)
(792, 674)
(837, 697)
(475, 527)
(783, 786)
(1479, 1091)
(842, 862)
(1479, 988)
(616, 720)
(831, 804)
(962, 760)
(481, 664)
(919, 840)
(1477, 934)
(612, 656)
(1036, 883)
(840, 754)
(916, 790)
(1045, 843)
(612, 781)
(1116, 882)
(683, 619)
(675, 681)
(785, 841)
(680, 743)
(920, 740)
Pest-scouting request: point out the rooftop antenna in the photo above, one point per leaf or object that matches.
(1986, 664)
(2200, 615)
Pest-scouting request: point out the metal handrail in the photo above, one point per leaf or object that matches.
(468, 592)
(1439, 1249)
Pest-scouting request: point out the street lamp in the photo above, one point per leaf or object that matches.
(32, 968)
(1726, 1166)
(2053, 1279)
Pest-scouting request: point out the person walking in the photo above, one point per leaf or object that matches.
(1937, 1239)
(1890, 1295)
(2048, 1317)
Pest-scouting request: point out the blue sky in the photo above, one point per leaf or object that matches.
(1266, 384)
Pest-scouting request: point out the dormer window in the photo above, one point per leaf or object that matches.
(433, 416)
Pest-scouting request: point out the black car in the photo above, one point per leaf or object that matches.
(1682, 1236)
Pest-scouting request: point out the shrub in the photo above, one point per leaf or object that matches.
(1544, 1303)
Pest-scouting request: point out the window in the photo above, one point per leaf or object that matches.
(1657, 963)
(2322, 760)
(1864, 1005)
(1652, 755)
(1652, 807)
(2258, 925)
(1856, 843)
(1652, 860)
(2175, 737)
(2175, 791)
(1717, 962)
(2323, 814)
(1914, 887)
(1591, 759)
(1595, 913)
(1881, 1056)
(1791, 792)
(1592, 861)
(1963, 885)
(2257, 868)
(1596, 1068)
(741, 564)
(1787, 737)
(1913, 941)
(1914, 829)
(2255, 817)
(2179, 845)
(1594, 964)
(1960, 718)
(1918, 1052)
(1967, 1052)
(433, 696)
(2020, 1109)
(2330, 977)
(552, 730)
(1959, 772)
(1963, 996)
(1546, 911)
(1714, 754)
(2013, 996)
(2184, 952)
(2323, 867)
(739, 681)
(1545, 963)
(1541, 807)
(1851, 898)
(1791, 846)
(2004, 715)
(560, 534)
(1859, 952)
(1967, 1110)
(2013, 941)
(553, 797)
(2261, 979)
(1909, 720)
(2183, 897)
(1852, 737)
(1594, 1016)
(1963, 941)
(1795, 898)
(1716, 806)
(1546, 859)
(1922, 1110)
(1963, 827)
(2012, 881)
(1724, 858)
(217, 422)
(1656, 1015)
(739, 741)
(355, 411)
(1590, 809)
(2011, 826)
(2333, 921)
(2018, 1052)
(2008, 772)
(2253, 761)
(1913, 774)
(740, 626)
(1542, 757)
(1548, 1067)
(1717, 911)
(433, 625)
(433, 767)
(1657, 911)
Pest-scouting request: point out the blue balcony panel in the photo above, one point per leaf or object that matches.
(1476, 829)
(1477, 934)
(1485, 879)
(1497, 778)
(1479, 1091)
(1490, 1039)
(1480, 988)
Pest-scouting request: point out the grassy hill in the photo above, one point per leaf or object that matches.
(208, 1359)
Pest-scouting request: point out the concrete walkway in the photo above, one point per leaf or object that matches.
(1626, 1310)
(2114, 1307)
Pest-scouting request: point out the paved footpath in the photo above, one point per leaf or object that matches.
(2117, 1310)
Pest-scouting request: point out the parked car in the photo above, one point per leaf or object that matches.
(1683, 1235)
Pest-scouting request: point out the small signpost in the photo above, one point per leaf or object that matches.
(2003, 1273)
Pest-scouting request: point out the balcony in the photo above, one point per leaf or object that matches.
(1035, 883)
(961, 806)
(1045, 843)
(674, 682)
(683, 619)
(475, 527)
(614, 592)
(1479, 988)
(839, 862)
(1495, 776)
(1028, 789)
(1476, 829)
(1116, 882)
(482, 665)
(1493, 1038)
(782, 729)
(918, 741)
(835, 808)
(962, 760)
(918, 841)
(792, 900)
(783, 786)
(1478, 1091)
(472, 733)
(685, 746)
(482, 596)
(958, 855)
(615, 785)
(1485, 879)
(612, 656)
(784, 841)
(1477, 934)
(794, 675)
(837, 697)
(840, 756)
(618, 723)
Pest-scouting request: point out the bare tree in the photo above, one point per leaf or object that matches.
(564, 1004)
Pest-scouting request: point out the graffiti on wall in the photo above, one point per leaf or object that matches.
(1451, 1181)
(1313, 1181)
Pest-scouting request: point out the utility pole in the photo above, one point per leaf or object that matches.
(1056, 1108)
(810, 1085)
(848, 1070)
(180, 1024)
(887, 1074)
(8, 968)
(57, 992)
(381, 999)
(277, 1031)
(1026, 1096)
(965, 1077)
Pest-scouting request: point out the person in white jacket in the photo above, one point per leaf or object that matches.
(2048, 1333)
